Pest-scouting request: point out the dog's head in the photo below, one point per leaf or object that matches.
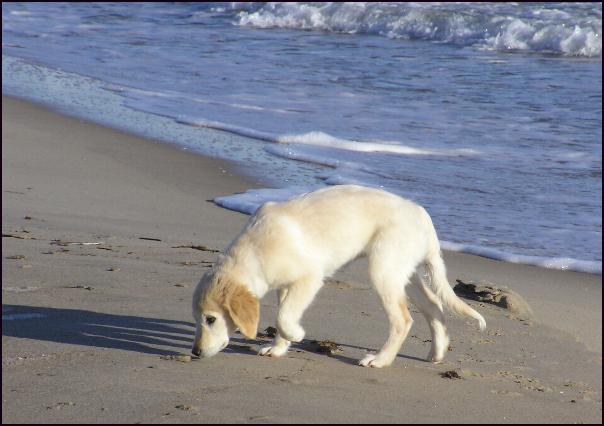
(220, 306)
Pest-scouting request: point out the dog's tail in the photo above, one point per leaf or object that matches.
(435, 266)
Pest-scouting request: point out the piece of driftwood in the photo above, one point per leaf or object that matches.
(199, 247)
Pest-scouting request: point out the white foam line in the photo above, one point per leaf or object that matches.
(560, 263)
(252, 199)
(328, 141)
(322, 139)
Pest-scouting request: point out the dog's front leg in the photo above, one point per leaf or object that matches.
(298, 297)
(280, 344)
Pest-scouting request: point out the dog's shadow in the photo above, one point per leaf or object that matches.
(80, 327)
(152, 336)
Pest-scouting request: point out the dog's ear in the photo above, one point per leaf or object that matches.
(244, 309)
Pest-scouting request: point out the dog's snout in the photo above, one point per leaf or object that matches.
(196, 351)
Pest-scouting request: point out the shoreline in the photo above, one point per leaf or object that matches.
(92, 102)
(144, 202)
(560, 263)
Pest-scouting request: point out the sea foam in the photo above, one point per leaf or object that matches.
(573, 32)
(318, 138)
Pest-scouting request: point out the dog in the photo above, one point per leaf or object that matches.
(294, 245)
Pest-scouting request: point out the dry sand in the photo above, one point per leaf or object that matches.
(87, 330)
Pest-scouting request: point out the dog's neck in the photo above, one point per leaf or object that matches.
(243, 267)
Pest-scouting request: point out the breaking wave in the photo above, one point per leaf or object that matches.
(563, 29)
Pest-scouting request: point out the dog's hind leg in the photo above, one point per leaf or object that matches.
(389, 280)
(299, 296)
(429, 305)
(400, 324)
(280, 345)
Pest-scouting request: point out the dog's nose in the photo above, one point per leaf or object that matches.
(196, 351)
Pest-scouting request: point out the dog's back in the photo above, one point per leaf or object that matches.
(330, 227)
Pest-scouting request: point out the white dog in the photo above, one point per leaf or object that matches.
(292, 246)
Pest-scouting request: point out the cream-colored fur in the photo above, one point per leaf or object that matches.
(293, 246)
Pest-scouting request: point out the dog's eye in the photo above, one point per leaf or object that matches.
(210, 320)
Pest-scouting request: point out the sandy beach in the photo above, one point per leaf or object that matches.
(105, 236)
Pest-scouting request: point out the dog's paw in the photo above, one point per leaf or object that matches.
(438, 351)
(292, 332)
(435, 359)
(374, 361)
(365, 361)
(273, 351)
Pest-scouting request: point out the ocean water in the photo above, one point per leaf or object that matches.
(487, 114)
